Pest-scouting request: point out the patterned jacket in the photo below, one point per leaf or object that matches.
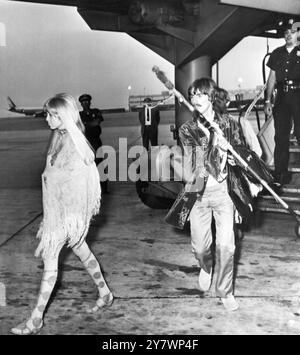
(201, 156)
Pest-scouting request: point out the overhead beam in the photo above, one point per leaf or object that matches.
(53, 2)
(167, 51)
(151, 39)
(286, 6)
(177, 32)
(239, 24)
(105, 21)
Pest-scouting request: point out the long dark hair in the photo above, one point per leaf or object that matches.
(221, 100)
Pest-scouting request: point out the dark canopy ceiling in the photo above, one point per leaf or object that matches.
(182, 30)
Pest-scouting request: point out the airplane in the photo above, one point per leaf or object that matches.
(28, 111)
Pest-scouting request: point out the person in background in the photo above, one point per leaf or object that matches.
(149, 118)
(92, 118)
(244, 129)
(71, 197)
(284, 64)
(239, 133)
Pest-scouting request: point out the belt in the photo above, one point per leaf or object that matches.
(289, 85)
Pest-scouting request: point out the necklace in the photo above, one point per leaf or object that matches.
(62, 131)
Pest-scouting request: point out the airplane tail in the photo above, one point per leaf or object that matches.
(11, 104)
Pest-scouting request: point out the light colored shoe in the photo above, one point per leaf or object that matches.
(230, 303)
(205, 280)
(102, 302)
(32, 326)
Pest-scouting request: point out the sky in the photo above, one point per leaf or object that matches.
(50, 49)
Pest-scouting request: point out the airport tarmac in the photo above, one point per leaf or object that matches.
(148, 264)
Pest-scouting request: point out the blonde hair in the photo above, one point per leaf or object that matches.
(65, 106)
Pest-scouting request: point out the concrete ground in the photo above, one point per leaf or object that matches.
(148, 264)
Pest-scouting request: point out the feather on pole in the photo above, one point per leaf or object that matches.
(205, 125)
(163, 78)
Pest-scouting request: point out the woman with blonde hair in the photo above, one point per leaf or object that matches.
(71, 197)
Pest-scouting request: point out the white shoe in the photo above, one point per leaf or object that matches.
(32, 326)
(230, 303)
(204, 280)
(102, 302)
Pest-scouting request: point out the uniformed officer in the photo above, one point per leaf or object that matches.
(92, 118)
(149, 118)
(284, 64)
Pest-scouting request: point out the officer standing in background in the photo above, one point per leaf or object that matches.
(149, 118)
(284, 64)
(92, 118)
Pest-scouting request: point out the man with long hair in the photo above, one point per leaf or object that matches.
(207, 157)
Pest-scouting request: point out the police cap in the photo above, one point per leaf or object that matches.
(286, 25)
(85, 97)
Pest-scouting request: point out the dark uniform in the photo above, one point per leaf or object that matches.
(287, 105)
(92, 118)
(149, 119)
(89, 118)
(92, 133)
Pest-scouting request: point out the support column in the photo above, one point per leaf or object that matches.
(184, 76)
